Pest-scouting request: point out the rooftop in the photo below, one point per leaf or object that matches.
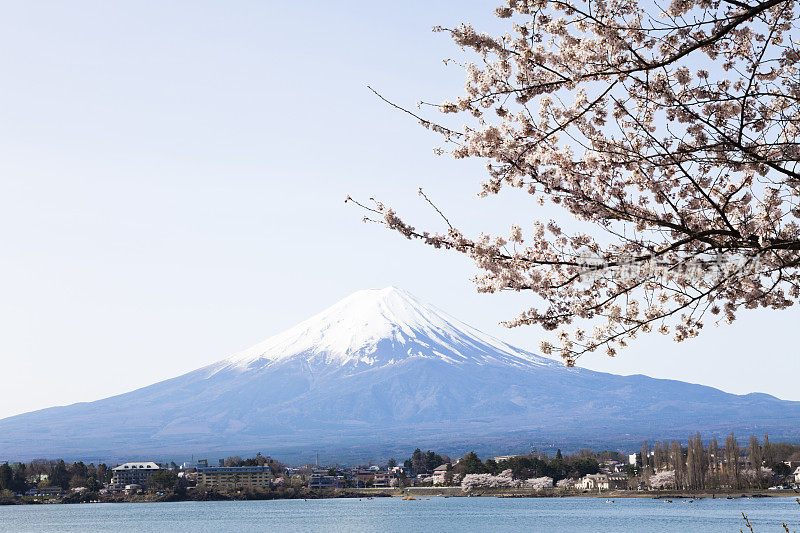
(132, 466)
(231, 469)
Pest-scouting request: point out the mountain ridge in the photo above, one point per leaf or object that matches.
(380, 369)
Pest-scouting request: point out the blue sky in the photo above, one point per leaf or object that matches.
(172, 177)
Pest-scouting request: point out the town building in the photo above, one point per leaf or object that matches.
(382, 479)
(438, 474)
(611, 467)
(601, 482)
(319, 481)
(362, 477)
(133, 488)
(797, 476)
(233, 476)
(52, 490)
(134, 473)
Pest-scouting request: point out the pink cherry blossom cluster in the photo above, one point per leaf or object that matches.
(662, 480)
(504, 479)
(672, 132)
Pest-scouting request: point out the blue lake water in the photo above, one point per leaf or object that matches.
(393, 514)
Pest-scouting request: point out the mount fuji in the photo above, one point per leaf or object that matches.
(379, 372)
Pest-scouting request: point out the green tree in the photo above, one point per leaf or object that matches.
(162, 480)
(470, 464)
(581, 467)
(103, 473)
(432, 460)
(632, 470)
(79, 472)
(79, 469)
(60, 475)
(418, 462)
(780, 469)
(20, 479)
(93, 485)
(6, 477)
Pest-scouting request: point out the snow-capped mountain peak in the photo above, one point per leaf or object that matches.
(378, 372)
(381, 326)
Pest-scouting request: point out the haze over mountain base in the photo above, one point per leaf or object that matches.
(381, 371)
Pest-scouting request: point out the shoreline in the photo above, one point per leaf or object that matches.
(409, 493)
(611, 494)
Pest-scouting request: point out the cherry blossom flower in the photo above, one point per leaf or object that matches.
(689, 177)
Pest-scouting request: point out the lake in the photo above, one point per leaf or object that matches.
(393, 514)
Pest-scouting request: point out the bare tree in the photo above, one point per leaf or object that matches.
(733, 471)
(669, 134)
(645, 458)
(691, 466)
(754, 452)
(696, 463)
(715, 463)
(677, 463)
(766, 451)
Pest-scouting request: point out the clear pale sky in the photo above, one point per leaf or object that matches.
(172, 177)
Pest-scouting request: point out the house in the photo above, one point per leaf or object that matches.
(134, 473)
(612, 466)
(438, 474)
(383, 479)
(52, 490)
(601, 482)
(797, 475)
(362, 477)
(133, 488)
(318, 481)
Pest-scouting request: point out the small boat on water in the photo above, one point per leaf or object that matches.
(667, 501)
(609, 501)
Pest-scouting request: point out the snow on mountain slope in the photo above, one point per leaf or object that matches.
(377, 327)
